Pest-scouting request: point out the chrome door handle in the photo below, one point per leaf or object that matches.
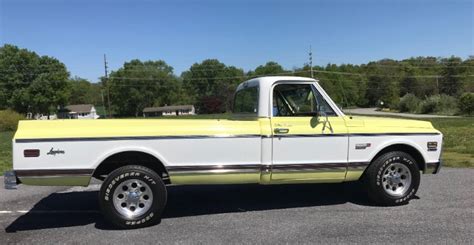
(281, 130)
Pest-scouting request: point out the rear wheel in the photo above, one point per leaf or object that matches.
(392, 179)
(132, 197)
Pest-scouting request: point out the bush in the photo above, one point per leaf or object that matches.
(428, 105)
(466, 103)
(9, 120)
(439, 104)
(409, 103)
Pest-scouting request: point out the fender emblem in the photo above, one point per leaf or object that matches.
(432, 146)
(53, 152)
(362, 146)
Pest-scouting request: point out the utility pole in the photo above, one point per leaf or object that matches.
(437, 84)
(107, 86)
(311, 60)
(103, 101)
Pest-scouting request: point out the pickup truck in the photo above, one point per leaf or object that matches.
(283, 130)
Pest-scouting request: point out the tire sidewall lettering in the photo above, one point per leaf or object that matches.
(378, 180)
(139, 221)
(114, 181)
(119, 179)
(383, 167)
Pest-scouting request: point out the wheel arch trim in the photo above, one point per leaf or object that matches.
(403, 143)
(138, 149)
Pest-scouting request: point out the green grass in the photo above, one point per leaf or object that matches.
(458, 147)
(5, 151)
(458, 141)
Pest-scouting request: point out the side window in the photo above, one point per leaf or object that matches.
(323, 105)
(246, 101)
(293, 100)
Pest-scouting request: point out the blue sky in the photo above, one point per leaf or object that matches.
(241, 33)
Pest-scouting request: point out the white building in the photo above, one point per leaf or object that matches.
(175, 110)
(86, 111)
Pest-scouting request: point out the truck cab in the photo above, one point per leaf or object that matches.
(307, 133)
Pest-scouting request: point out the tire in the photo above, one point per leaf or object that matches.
(132, 197)
(392, 179)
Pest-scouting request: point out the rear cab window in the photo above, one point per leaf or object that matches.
(246, 101)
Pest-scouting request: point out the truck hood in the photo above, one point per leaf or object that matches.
(382, 124)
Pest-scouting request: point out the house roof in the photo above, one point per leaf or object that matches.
(84, 108)
(168, 108)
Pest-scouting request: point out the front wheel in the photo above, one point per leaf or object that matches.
(392, 179)
(132, 197)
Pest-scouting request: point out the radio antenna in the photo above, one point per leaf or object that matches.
(311, 61)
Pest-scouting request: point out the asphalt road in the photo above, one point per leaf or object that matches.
(374, 112)
(442, 213)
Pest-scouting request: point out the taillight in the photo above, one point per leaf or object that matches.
(31, 153)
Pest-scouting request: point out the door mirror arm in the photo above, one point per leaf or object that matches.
(326, 122)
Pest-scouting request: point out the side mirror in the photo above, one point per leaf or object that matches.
(314, 119)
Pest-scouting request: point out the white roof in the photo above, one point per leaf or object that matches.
(265, 87)
(270, 80)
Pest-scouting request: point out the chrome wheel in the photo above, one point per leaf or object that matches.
(396, 179)
(132, 198)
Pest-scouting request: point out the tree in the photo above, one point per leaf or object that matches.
(270, 68)
(211, 85)
(345, 84)
(417, 76)
(142, 84)
(451, 81)
(409, 83)
(466, 103)
(31, 83)
(468, 78)
(382, 83)
(84, 92)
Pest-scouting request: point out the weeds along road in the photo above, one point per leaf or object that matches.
(443, 212)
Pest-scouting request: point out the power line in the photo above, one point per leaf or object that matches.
(311, 69)
(323, 80)
(246, 77)
(400, 65)
(271, 65)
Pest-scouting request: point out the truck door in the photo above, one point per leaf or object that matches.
(309, 139)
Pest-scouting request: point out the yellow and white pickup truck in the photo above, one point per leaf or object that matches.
(283, 130)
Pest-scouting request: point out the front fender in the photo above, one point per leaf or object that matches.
(397, 141)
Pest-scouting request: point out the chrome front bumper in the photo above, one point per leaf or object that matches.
(10, 180)
(433, 167)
